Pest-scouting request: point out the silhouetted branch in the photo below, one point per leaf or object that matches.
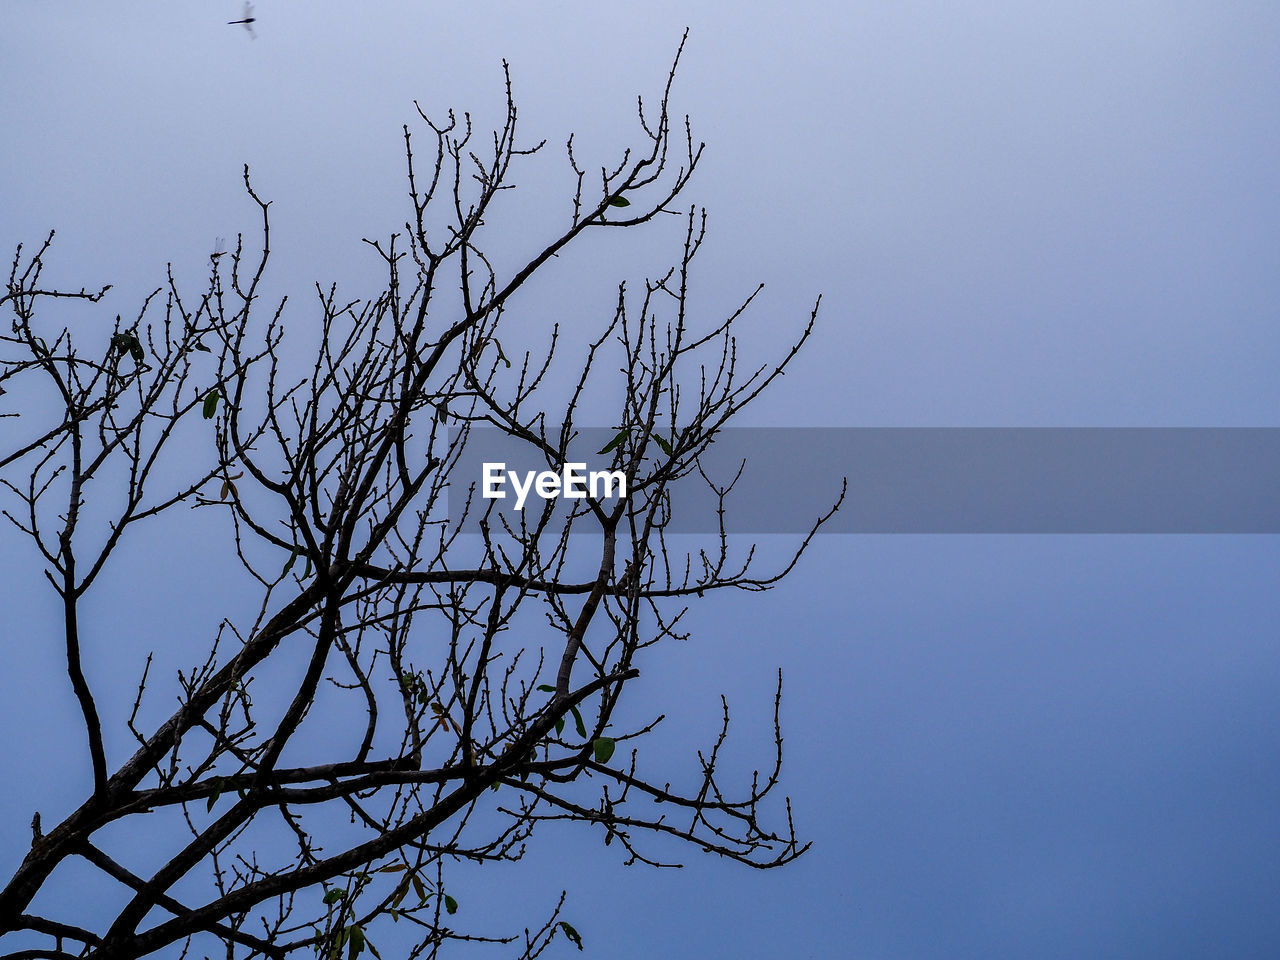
(477, 679)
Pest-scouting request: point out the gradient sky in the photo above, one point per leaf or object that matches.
(1017, 214)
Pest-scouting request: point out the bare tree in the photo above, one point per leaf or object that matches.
(479, 675)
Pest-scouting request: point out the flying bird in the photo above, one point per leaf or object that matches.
(247, 20)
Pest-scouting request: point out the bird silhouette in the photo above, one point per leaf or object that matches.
(247, 20)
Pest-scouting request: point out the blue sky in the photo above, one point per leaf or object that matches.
(1002, 746)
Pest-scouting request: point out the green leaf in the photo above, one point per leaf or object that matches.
(289, 563)
(393, 868)
(201, 347)
(666, 447)
(572, 934)
(213, 797)
(417, 888)
(450, 904)
(546, 688)
(615, 443)
(402, 891)
(619, 201)
(355, 943)
(372, 949)
(307, 572)
(334, 895)
(128, 343)
(211, 403)
(604, 747)
(559, 725)
(577, 719)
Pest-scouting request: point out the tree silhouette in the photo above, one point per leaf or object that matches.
(479, 677)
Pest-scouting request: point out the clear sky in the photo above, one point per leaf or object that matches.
(1017, 214)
